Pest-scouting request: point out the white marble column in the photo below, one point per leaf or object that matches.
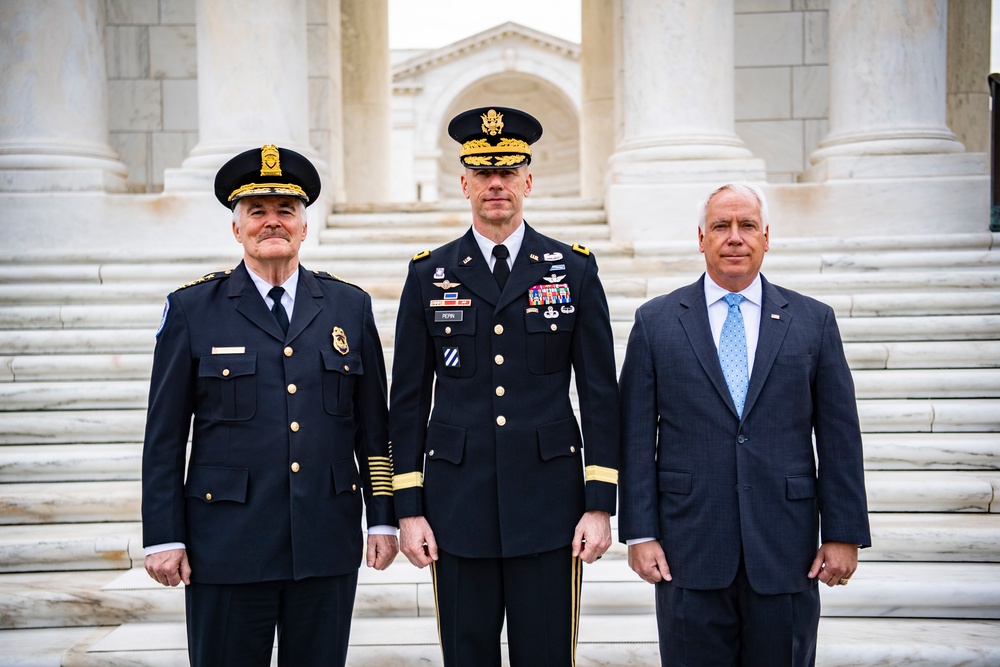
(367, 98)
(252, 85)
(887, 93)
(597, 65)
(53, 104)
(677, 124)
(335, 110)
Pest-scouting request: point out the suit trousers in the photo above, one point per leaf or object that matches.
(233, 625)
(541, 596)
(735, 626)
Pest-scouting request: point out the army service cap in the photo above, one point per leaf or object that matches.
(268, 170)
(494, 137)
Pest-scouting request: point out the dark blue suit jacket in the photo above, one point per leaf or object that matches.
(264, 499)
(709, 484)
(490, 490)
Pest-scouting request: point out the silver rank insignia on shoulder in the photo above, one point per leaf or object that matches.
(446, 284)
(340, 341)
(554, 278)
(439, 273)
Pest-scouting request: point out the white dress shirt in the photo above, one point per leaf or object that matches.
(513, 243)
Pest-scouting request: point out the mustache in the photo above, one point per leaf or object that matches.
(274, 234)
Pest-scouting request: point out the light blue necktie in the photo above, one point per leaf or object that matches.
(733, 352)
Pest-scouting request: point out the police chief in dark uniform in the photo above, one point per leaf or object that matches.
(495, 487)
(282, 371)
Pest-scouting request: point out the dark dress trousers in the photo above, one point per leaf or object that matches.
(717, 489)
(485, 441)
(289, 431)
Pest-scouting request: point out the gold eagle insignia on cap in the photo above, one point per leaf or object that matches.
(340, 341)
(492, 123)
(270, 161)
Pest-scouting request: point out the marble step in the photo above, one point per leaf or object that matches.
(931, 451)
(929, 415)
(604, 641)
(984, 241)
(104, 461)
(584, 232)
(920, 354)
(62, 367)
(926, 537)
(68, 547)
(902, 590)
(72, 427)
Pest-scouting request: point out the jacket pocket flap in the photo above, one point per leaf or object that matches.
(445, 442)
(214, 484)
(346, 364)
(346, 477)
(800, 487)
(549, 319)
(227, 366)
(675, 481)
(561, 438)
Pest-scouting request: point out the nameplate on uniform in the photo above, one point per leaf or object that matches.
(229, 350)
(446, 303)
(448, 315)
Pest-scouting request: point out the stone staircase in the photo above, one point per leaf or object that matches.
(920, 317)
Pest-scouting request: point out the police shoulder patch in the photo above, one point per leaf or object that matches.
(206, 278)
(326, 275)
(163, 318)
(421, 255)
(583, 250)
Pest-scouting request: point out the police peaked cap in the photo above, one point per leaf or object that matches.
(495, 137)
(268, 170)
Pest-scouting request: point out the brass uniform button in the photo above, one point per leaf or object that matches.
(501, 420)
(295, 466)
(208, 496)
(354, 487)
(288, 351)
(346, 367)
(572, 450)
(498, 359)
(498, 329)
(500, 391)
(430, 453)
(292, 389)
(225, 372)
(553, 327)
(295, 427)
(447, 330)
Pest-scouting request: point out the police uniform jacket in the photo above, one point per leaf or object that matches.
(497, 466)
(281, 423)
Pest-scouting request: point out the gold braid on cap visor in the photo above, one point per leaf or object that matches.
(483, 147)
(270, 189)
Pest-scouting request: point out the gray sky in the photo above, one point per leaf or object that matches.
(429, 24)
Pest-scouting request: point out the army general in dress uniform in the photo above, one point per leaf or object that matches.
(282, 371)
(495, 487)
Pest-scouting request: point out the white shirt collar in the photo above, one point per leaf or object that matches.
(513, 243)
(753, 292)
(290, 285)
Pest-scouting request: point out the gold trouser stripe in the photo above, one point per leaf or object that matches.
(576, 583)
(407, 480)
(437, 608)
(602, 474)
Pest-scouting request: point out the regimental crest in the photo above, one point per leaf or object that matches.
(492, 123)
(270, 161)
(340, 341)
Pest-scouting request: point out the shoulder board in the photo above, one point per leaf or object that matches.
(207, 278)
(583, 250)
(326, 275)
(421, 255)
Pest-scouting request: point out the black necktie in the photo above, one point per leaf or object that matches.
(277, 309)
(500, 268)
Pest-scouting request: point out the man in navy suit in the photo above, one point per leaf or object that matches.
(495, 488)
(725, 383)
(282, 371)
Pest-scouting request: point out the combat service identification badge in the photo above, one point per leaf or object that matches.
(340, 341)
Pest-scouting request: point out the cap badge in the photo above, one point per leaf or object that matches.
(340, 341)
(270, 161)
(492, 123)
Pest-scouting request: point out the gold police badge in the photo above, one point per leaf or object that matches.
(340, 341)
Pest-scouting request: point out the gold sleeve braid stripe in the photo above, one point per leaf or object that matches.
(601, 474)
(380, 469)
(407, 481)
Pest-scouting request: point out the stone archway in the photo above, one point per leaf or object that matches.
(555, 158)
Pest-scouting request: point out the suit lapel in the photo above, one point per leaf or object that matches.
(250, 304)
(772, 333)
(694, 319)
(475, 275)
(306, 305)
(526, 272)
